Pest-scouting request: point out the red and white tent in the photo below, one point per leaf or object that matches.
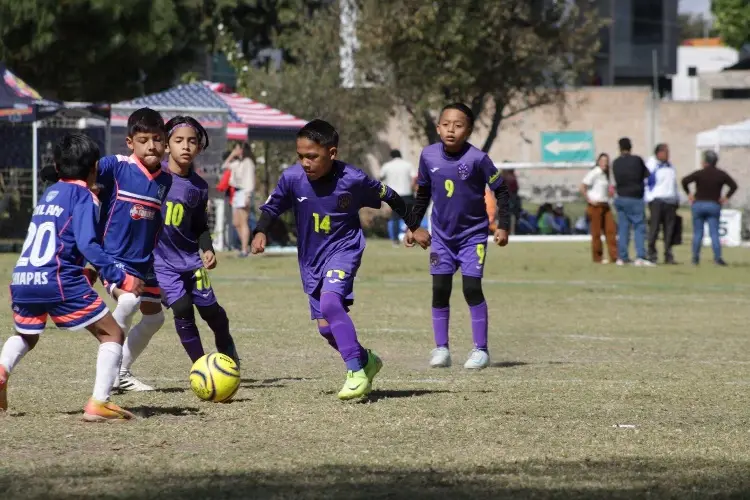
(259, 119)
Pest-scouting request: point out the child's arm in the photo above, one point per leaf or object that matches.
(424, 190)
(205, 242)
(84, 231)
(377, 192)
(105, 171)
(279, 202)
(500, 188)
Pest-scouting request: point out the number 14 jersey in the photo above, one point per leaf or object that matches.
(185, 219)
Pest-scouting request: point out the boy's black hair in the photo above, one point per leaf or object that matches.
(463, 108)
(395, 153)
(625, 144)
(75, 156)
(659, 148)
(145, 121)
(199, 130)
(320, 132)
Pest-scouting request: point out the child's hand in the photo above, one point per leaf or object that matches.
(91, 275)
(408, 239)
(132, 284)
(258, 244)
(209, 259)
(422, 237)
(501, 237)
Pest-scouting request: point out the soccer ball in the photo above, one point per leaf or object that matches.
(215, 377)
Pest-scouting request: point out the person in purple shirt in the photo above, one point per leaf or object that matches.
(326, 195)
(453, 174)
(185, 250)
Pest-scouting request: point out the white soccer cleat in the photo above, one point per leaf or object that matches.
(477, 360)
(440, 358)
(127, 382)
(644, 263)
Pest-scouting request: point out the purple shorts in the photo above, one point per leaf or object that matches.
(335, 281)
(174, 285)
(469, 255)
(72, 314)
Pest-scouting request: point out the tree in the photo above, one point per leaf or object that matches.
(98, 50)
(694, 26)
(502, 57)
(732, 18)
(310, 87)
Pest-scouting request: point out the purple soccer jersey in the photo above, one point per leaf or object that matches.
(330, 242)
(177, 260)
(459, 215)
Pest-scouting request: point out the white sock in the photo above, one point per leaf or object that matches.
(127, 306)
(13, 350)
(107, 364)
(139, 337)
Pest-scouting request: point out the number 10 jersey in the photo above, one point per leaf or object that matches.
(185, 219)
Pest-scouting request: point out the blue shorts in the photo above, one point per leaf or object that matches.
(335, 281)
(73, 314)
(151, 291)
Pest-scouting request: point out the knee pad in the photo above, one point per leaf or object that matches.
(331, 305)
(442, 285)
(473, 290)
(183, 308)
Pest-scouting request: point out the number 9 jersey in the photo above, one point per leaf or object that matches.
(62, 236)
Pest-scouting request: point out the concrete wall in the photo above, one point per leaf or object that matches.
(611, 113)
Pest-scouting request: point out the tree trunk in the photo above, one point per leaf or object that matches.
(430, 131)
(497, 117)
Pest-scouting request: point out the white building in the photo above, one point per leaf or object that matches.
(696, 61)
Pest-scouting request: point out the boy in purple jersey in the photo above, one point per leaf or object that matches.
(180, 268)
(326, 195)
(453, 174)
(49, 278)
(133, 189)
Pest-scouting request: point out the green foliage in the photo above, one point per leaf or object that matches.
(311, 88)
(732, 21)
(98, 49)
(695, 26)
(501, 57)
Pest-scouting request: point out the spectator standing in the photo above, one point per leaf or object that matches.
(401, 176)
(707, 201)
(509, 176)
(242, 164)
(663, 198)
(630, 172)
(596, 189)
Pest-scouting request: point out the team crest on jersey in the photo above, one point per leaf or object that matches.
(51, 196)
(139, 212)
(434, 258)
(463, 171)
(162, 192)
(344, 201)
(193, 197)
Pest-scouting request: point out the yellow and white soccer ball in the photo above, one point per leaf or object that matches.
(215, 377)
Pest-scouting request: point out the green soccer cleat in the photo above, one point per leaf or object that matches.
(373, 366)
(357, 385)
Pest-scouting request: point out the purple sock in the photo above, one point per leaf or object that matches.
(216, 318)
(325, 331)
(190, 338)
(353, 354)
(440, 320)
(479, 321)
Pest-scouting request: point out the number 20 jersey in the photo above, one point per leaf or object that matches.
(185, 218)
(62, 235)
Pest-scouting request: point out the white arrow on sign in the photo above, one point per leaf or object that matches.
(556, 147)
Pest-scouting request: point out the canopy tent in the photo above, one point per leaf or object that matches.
(734, 135)
(248, 119)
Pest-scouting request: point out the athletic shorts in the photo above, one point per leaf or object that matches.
(335, 281)
(175, 285)
(151, 291)
(448, 257)
(73, 314)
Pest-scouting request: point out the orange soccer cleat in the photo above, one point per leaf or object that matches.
(104, 411)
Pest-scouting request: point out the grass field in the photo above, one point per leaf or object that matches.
(577, 350)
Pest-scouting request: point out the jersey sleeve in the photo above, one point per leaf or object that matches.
(374, 193)
(280, 199)
(84, 230)
(105, 171)
(491, 173)
(423, 173)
